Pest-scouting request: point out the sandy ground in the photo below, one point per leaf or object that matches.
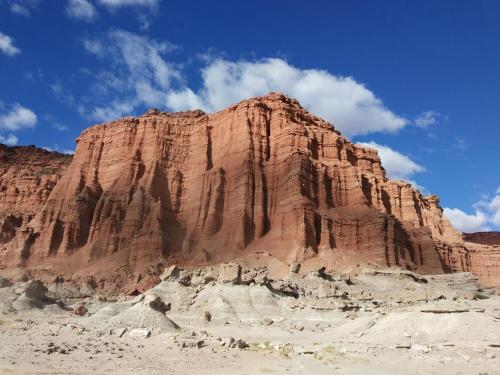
(388, 324)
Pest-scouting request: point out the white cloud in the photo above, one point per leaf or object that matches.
(491, 207)
(427, 118)
(60, 127)
(23, 7)
(93, 46)
(17, 118)
(7, 45)
(123, 3)
(81, 9)
(351, 107)
(139, 75)
(61, 93)
(144, 22)
(20, 9)
(487, 215)
(465, 222)
(397, 165)
(495, 209)
(9, 140)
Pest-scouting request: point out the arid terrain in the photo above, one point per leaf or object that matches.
(228, 320)
(252, 240)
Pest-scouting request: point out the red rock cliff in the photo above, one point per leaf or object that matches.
(27, 176)
(263, 175)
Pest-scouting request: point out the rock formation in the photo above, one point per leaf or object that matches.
(262, 176)
(27, 176)
(483, 253)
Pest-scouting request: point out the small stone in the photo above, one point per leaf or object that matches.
(139, 332)
(80, 310)
(206, 317)
(121, 331)
(403, 346)
(266, 322)
(295, 267)
(299, 327)
(421, 348)
(465, 357)
(240, 344)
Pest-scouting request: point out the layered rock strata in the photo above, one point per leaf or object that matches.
(483, 253)
(27, 176)
(262, 176)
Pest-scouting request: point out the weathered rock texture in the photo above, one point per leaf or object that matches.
(263, 175)
(27, 176)
(484, 256)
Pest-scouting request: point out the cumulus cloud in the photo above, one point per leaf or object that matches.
(138, 72)
(486, 215)
(7, 45)
(427, 118)
(81, 9)
(14, 119)
(351, 107)
(142, 75)
(10, 139)
(466, 222)
(397, 165)
(17, 118)
(495, 209)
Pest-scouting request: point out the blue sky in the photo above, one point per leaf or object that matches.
(417, 80)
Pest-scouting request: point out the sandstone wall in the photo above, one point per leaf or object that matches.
(263, 175)
(27, 176)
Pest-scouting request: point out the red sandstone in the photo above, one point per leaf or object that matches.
(262, 176)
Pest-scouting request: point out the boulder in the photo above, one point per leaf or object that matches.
(156, 303)
(171, 273)
(4, 283)
(230, 273)
(36, 290)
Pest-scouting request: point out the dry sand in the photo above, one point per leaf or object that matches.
(390, 322)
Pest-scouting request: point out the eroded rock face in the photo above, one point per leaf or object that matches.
(27, 176)
(263, 175)
(483, 256)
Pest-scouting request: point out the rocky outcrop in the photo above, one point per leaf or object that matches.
(27, 176)
(262, 176)
(483, 254)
